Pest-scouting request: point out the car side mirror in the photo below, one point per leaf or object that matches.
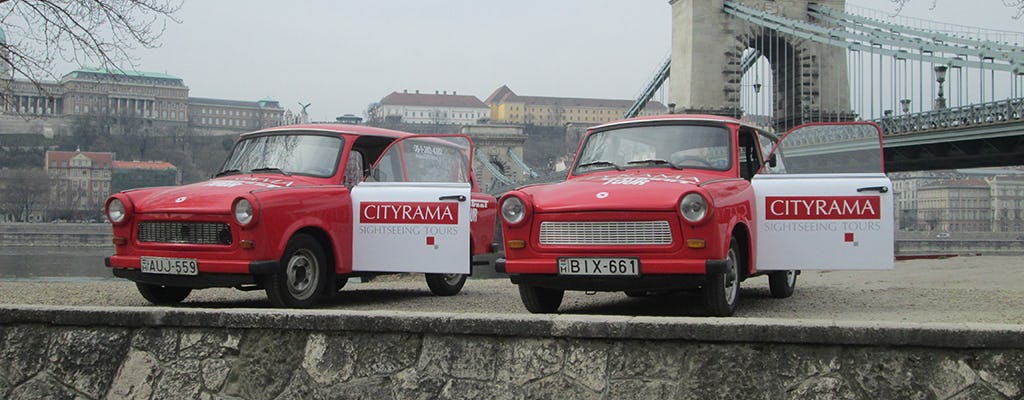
(771, 161)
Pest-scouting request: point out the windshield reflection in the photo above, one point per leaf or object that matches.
(664, 146)
(287, 154)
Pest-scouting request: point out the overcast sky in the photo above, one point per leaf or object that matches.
(343, 55)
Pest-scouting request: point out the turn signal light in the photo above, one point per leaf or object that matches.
(695, 243)
(119, 241)
(516, 244)
(247, 244)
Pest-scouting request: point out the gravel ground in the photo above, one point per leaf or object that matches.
(977, 289)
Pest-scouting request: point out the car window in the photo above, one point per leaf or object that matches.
(286, 152)
(675, 146)
(426, 159)
(832, 148)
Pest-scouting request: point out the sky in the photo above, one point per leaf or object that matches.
(340, 56)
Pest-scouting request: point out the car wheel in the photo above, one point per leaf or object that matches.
(159, 294)
(302, 279)
(722, 290)
(540, 300)
(782, 283)
(446, 284)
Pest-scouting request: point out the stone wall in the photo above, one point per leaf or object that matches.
(170, 353)
(56, 235)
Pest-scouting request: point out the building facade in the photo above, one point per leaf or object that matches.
(509, 108)
(1007, 193)
(79, 181)
(161, 100)
(440, 108)
(962, 205)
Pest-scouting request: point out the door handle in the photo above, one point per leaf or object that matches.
(458, 197)
(879, 189)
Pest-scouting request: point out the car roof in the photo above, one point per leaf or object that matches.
(676, 118)
(358, 130)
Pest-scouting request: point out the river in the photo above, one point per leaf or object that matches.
(45, 263)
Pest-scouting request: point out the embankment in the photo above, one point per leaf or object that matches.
(151, 352)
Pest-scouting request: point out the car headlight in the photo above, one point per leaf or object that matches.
(694, 208)
(513, 210)
(116, 211)
(244, 213)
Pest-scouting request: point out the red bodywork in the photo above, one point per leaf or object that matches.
(284, 206)
(638, 194)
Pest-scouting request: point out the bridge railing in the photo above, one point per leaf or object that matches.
(946, 118)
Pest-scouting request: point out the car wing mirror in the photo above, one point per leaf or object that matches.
(771, 161)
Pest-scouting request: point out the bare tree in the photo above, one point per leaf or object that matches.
(101, 33)
(23, 192)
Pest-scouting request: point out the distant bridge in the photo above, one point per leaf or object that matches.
(946, 96)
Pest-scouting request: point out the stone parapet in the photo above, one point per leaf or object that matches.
(154, 352)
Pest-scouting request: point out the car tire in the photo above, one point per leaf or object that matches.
(539, 300)
(302, 279)
(722, 290)
(446, 284)
(163, 295)
(782, 283)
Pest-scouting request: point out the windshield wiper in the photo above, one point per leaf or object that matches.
(271, 169)
(601, 163)
(227, 172)
(656, 161)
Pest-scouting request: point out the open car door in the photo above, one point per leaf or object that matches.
(412, 212)
(824, 202)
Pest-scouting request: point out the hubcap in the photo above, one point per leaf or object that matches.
(732, 278)
(452, 279)
(790, 278)
(302, 274)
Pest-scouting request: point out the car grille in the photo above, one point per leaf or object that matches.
(185, 232)
(606, 233)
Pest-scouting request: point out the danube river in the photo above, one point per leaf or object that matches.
(54, 263)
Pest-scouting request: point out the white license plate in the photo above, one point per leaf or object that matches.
(598, 266)
(170, 266)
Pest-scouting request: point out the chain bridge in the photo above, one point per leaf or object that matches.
(946, 96)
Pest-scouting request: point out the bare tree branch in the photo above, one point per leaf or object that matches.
(95, 33)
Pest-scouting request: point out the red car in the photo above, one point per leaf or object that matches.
(297, 210)
(678, 202)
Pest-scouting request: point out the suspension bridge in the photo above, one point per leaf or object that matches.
(946, 96)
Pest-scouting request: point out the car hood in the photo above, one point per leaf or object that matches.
(214, 196)
(625, 191)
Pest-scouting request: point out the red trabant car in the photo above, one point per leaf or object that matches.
(677, 202)
(297, 210)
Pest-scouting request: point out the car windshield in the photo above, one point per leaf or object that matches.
(657, 146)
(285, 153)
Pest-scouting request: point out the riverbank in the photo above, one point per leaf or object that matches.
(55, 235)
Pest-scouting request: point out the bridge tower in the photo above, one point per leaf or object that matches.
(809, 80)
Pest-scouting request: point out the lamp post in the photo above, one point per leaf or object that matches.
(940, 77)
(905, 105)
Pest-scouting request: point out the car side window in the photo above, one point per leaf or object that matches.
(767, 144)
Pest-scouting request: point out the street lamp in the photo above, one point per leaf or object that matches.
(940, 77)
(905, 105)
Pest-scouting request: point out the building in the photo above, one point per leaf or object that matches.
(158, 100)
(79, 182)
(439, 108)
(232, 116)
(140, 174)
(509, 108)
(1007, 193)
(962, 205)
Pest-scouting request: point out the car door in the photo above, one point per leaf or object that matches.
(824, 201)
(412, 213)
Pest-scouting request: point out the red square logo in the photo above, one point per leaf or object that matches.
(849, 237)
(430, 240)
